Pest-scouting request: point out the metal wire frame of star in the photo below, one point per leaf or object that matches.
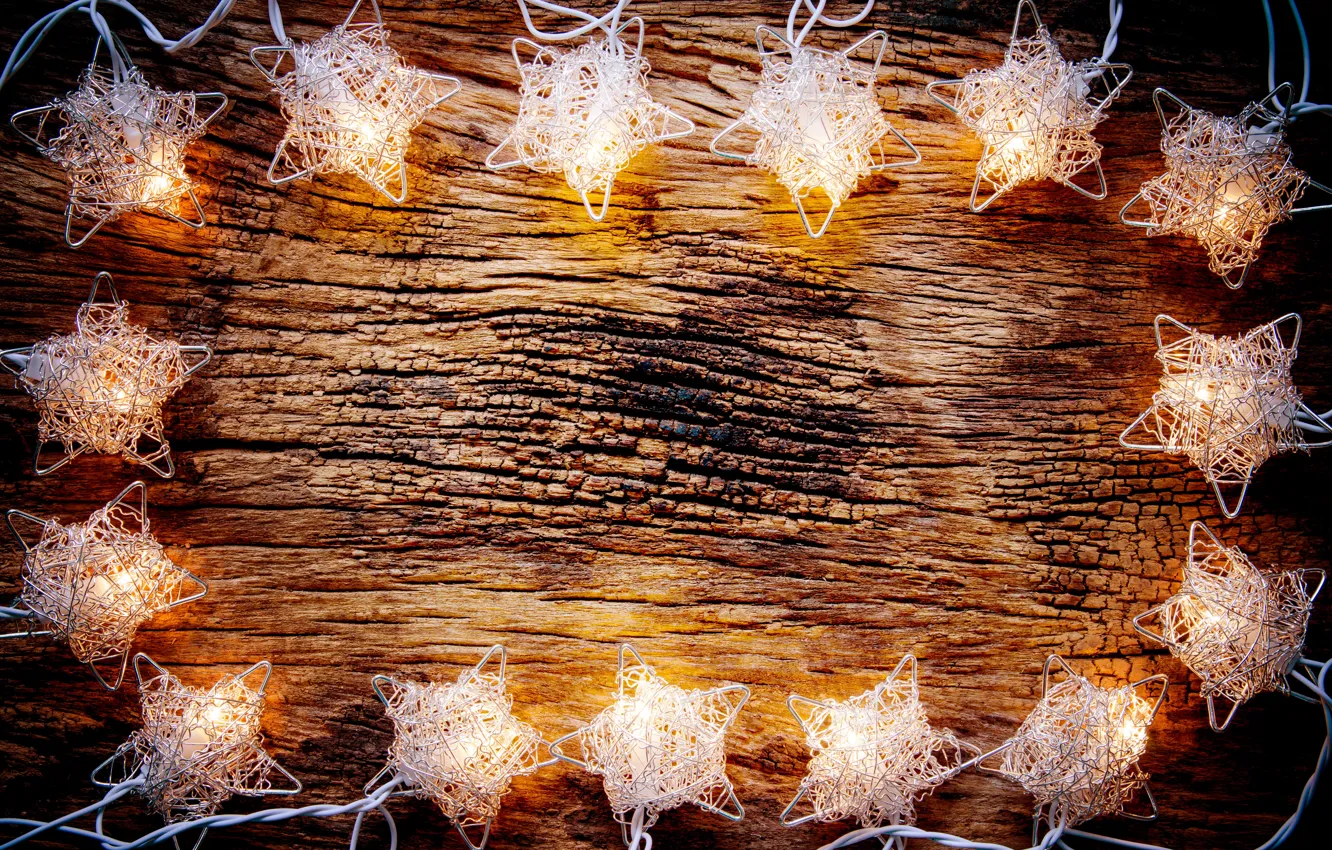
(351, 104)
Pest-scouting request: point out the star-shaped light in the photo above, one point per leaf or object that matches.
(121, 142)
(1238, 629)
(874, 756)
(101, 389)
(1077, 752)
(92, 584)
(819, 122)
(458, 745)
(1227, 181)
(1228, 404)
(659, 746)
(197, 746)
(351, 104)
(1035, 113)
(585, 112)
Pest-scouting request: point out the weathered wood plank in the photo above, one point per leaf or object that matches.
(480, 418)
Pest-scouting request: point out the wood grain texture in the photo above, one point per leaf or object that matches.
(479, 418)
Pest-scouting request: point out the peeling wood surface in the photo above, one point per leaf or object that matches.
(479, 418)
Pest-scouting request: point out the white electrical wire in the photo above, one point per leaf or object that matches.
(608, 23)
(816, 16)
(29, 41)
(1112, 37)
(1303, 104)
(901, 831)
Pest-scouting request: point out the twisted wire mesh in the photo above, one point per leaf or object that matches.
(102, 388)
(1237, 628)
(819, 122)
(586, 112)
(197, 747)
(460, 744)
(1224, 185)
(874, 756)
(1227, 403)
(1077, 752)
(121, 143)
(351, 104)
(1033, 114)
(94, 583)
(659, 746)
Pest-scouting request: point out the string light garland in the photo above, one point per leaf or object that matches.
(872, 757)
(102, 388)
(350, 102)
(659, 746)
(1229, 180)
(197, 747)
(817, 117)
(584, 112)
(1035, 113)
(1237, 628)
(92, 584)
(1228, 404)
(121, 142)
(458, 745)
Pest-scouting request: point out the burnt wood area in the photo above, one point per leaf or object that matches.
(480, 418)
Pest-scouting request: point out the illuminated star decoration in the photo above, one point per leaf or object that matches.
(1228, 404)
(101, 389)
(586, 112)
(351, 104)
(1227, 181)
(1035, 114)
(1238, 629)
(874, 756)
(659, 746)
(458, 744)
(121, 142)
(92, 584)
(1077, 752)
(197, 747)
(818, 120)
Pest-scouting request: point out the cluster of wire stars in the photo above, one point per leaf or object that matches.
(351, 103)
(1078, 750)
(1035, 114)
(101, 389)
(872, 757)
(121, 142)
(1227, 181)
(197, 747)
(659, 746)
(1227, 403)
(1237, 628)
(458, 744)
(92, 584)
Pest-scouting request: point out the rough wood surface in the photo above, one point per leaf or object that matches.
(479, 418)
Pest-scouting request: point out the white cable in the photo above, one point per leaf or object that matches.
(608, 23)
(28, 42)
(1112, 37)
(947, 840)
(816, 16)
(1302, 105)
(275, 21)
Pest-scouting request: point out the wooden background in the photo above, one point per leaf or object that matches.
(479, 418)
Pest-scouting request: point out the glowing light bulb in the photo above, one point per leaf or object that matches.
(213, 720)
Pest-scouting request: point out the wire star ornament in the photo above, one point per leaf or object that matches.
(197, 747)
(1077, 752)
(351, 104)
(1227, 181)
(1035, 114)
(1227, 404)
(122, 143)
(92, 584)
(1239, 629)
(586, 112)
(102, 388)
(874, 756)
(818, 121)
(659, 746)
(458, 744)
